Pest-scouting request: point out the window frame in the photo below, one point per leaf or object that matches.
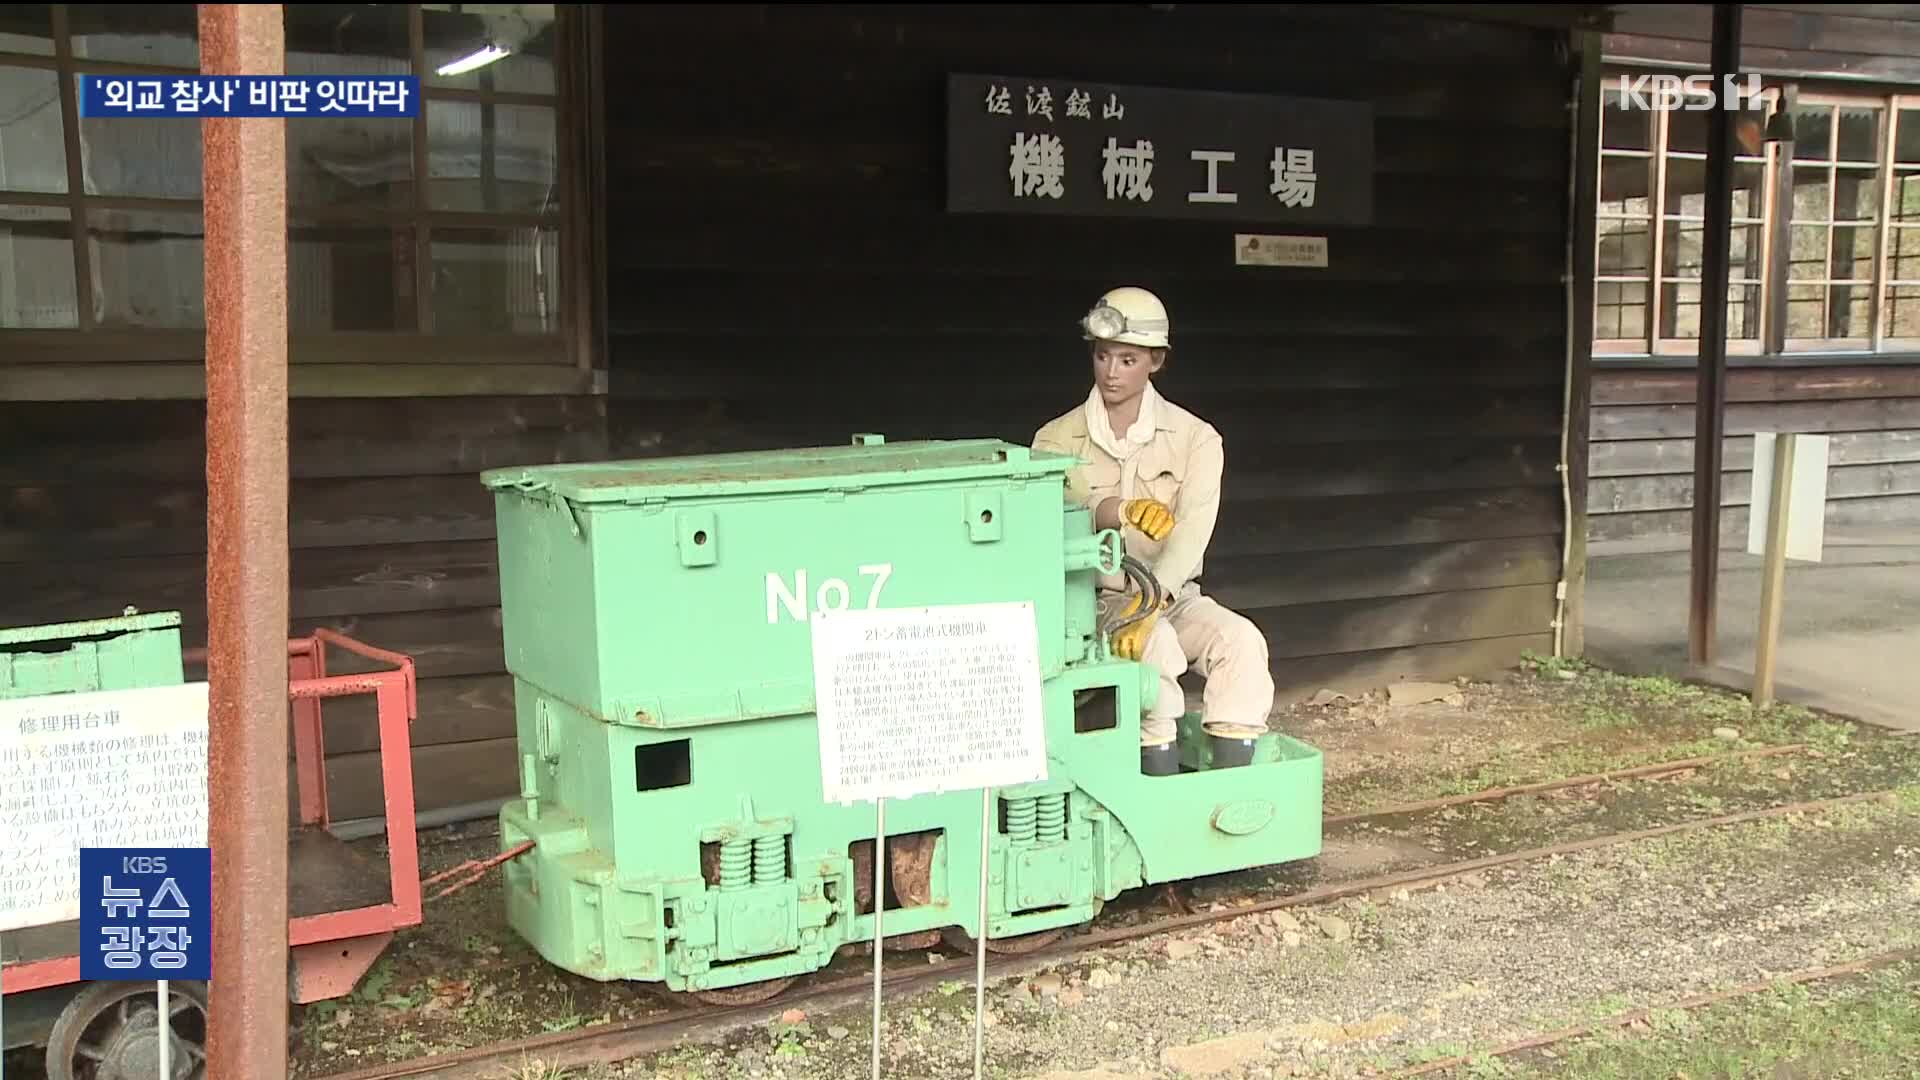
(88, 361)
(1772, 346)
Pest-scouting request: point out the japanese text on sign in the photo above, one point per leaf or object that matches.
(146, 913)
(1155, 153)
(122, 768)
(919, 700)
(250, 95)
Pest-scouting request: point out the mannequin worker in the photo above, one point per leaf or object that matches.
(1153, 470)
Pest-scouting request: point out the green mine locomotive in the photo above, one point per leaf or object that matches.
(656, 623)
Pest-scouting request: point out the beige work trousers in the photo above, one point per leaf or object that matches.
(1223, 647)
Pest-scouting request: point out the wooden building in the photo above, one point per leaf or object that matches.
(1824, 295)
(661, 229)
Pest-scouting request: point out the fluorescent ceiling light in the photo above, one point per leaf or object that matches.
(473, 60)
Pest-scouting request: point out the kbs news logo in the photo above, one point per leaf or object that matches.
(1693, 93)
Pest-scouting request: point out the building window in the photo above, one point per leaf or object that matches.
(1653, 168)
(1825, 247)
(446, 226)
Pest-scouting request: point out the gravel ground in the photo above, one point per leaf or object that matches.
(1381, 981)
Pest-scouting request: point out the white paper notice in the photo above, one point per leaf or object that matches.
(921, 700)
(119, 768)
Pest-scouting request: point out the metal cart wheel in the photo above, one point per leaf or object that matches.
(745, 994)
(109, 1032)
(961, 941)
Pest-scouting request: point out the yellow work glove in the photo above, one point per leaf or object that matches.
(1130, 643)
(1150, 516)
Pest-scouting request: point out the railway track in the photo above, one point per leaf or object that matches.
(632, 1038)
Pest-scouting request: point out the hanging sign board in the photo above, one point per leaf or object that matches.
(1035, 145)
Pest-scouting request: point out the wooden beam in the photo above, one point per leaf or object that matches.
(160, 382)
(1577, 446)
(1710, 416)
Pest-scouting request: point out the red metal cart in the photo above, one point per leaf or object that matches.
(342, 914)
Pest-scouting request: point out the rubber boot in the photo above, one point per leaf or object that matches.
(1162, 760)
(1230, 751)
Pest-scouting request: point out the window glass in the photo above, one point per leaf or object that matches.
(492, 157)
(33, 148)
(496, 280)
(36, 268)
(148, 267)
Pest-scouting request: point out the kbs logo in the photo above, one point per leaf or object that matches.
(1692, 93)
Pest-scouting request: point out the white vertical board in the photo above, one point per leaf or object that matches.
(112, 768)
(1806, 499)
(925, 700)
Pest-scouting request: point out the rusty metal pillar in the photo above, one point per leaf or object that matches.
(246, 274)
(1710, 396)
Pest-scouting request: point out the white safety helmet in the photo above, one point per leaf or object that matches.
(1130, 315)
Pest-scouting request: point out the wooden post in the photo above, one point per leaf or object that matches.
(1774, 581)
(1710, 397)
(1578, 434)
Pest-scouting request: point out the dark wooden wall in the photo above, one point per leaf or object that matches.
(782, 273)
(1642, 445)
(103, 505)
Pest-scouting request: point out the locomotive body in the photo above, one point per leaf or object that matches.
(656, 624)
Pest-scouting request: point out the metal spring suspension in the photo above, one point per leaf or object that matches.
(1053, 818)
(769, 859)
(1021, 816)
(736, 865)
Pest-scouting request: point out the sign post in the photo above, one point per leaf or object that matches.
(1787, 520)
(928, 700)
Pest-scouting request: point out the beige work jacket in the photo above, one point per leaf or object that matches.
(1180, 467)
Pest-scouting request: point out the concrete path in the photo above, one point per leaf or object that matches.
(1850, 638)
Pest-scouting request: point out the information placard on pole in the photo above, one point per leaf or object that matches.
(104, 794)
(109, 768)
(1787, 520)
(916, 701)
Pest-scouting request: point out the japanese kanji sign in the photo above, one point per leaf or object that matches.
(146, 913)
(117, 768)
(1058, 146)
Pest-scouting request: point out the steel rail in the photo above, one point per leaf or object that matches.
(628, 1039)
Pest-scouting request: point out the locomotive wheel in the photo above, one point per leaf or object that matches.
(747, 994)
(1014, 946)
(110, 1032)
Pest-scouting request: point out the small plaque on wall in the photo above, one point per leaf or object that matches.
(1259, 250)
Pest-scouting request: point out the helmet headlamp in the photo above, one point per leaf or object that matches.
(1108, 323)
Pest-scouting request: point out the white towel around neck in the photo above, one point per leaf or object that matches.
(1124, 450)
(1100, 428)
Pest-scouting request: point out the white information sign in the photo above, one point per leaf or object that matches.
(1806, 496)
(118, 768)
(923, 700)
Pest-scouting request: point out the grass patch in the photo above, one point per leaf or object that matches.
(1864, 1028)
(1590, 720)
